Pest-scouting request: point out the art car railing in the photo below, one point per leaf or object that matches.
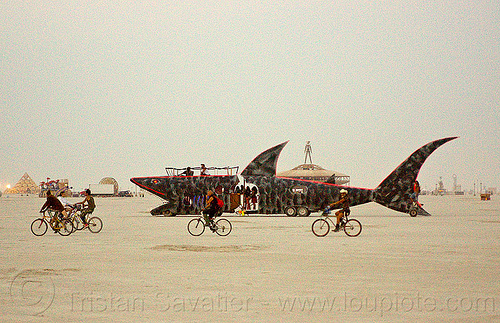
(196, 171)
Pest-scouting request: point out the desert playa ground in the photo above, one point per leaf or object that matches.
(443, 268)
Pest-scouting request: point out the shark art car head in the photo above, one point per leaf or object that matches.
(257, 188)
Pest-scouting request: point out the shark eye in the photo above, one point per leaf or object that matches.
(155, 181)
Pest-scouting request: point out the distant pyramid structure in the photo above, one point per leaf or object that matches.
(24, 186)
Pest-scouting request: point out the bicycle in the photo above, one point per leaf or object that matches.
(94, 223)
(62, 226)
(74, 217)
(196, 227)
(351, 227)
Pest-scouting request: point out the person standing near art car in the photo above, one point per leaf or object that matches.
(88, 208)
(204, 170)
(187, 172)
(247, 195)
(253, 198)
(415, 192)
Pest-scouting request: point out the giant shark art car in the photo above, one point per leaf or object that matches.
(278, 195)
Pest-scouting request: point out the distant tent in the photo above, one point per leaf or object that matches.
(316, 173)
(24, 186)
(312, 172)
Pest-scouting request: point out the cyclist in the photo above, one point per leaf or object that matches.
(67, 206)
(344, 202)
(53, 203)
(211, 209)
(89, 199)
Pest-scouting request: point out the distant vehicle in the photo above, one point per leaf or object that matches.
(102, 189)
(278, 195)
(126, 193)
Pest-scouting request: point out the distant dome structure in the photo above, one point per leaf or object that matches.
(110, 180)
(314, 172)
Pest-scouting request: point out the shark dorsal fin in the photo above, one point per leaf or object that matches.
(265, 163)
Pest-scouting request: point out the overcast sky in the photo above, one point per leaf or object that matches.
(90, 89)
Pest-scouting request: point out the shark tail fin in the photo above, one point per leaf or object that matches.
(265, 163)
(394, 191)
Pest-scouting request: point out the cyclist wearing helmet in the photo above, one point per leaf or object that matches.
(344, 203)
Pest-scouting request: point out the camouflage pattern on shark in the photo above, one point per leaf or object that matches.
(278, 195)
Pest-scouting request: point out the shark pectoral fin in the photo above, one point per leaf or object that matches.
(421, 211)
(163, 209)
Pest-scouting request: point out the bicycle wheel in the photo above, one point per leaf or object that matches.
(73, 220)
(77, 223)
(352, 228)
(320, 227)
(39, 227)
(223, 227)
(66, 227)
(196, 227)
(95, 224)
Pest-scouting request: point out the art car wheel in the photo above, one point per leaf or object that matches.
(290, 211)
(303, 211)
